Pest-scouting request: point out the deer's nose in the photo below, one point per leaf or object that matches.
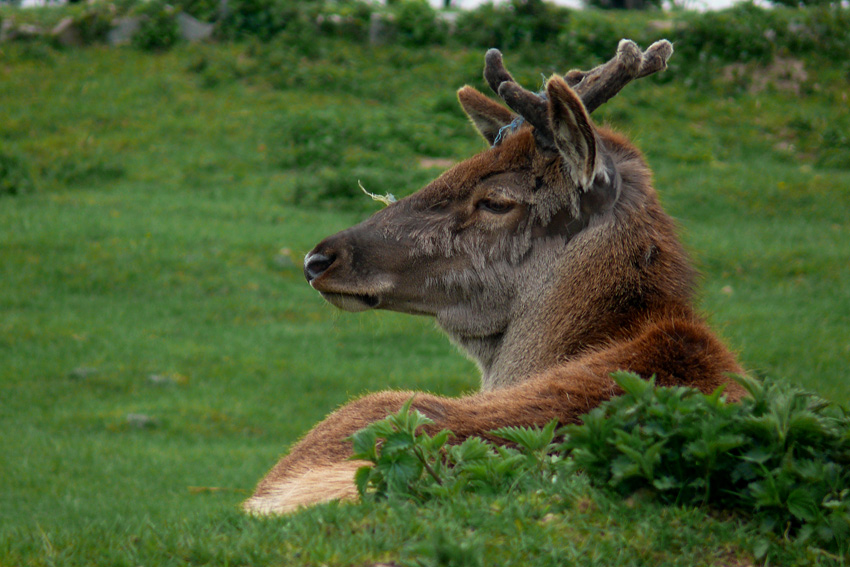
(317, 264)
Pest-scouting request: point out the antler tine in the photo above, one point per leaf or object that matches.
(600, 84)
(655, 58)
(494, 70)
(530, 106)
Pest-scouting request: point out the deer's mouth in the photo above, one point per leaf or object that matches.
(352, 302)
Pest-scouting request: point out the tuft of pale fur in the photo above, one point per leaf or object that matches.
(322, 484)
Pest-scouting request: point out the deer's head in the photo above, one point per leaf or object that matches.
(491, 239)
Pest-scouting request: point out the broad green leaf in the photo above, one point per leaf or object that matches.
(809, 470)
(839, 522)
(761, 547)
(802, 505)
(666, 482)
(764, 493)
(725, 443)
(363, 442)
(383, 428)
(806, 423)
(409, 420)
(758, 455)
(714, 397)
(633, 384)
(437, 441)
(623, 468)
(509, 464)
(361, 479)
(698, 449)
(396, 442)
(399, 470)
(473, 449)
(529, 438)
(753, 387)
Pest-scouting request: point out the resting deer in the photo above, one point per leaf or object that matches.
(547, 258)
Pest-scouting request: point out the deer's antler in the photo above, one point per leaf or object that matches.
(595, 87)
(530, 106)
(600, 84)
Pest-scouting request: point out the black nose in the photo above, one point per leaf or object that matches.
(316, 264)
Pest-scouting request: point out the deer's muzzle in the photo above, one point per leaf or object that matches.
(317, 264)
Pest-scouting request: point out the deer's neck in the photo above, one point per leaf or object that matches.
(545, 338)
(601, 296)
(533, 343)
(511, 357)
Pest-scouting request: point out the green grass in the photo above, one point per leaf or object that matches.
(163, 188)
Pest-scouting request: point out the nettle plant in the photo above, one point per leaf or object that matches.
(410, 463)
(779, 457)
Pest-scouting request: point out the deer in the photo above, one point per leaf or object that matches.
(547, 258)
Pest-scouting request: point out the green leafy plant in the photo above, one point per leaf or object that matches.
(410, 463)
(779, 456)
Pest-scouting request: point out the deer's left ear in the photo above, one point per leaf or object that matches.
(487, 115)
(573, 133)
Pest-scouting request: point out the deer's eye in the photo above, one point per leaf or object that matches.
(495, 207)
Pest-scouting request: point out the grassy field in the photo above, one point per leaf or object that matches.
(159, 349)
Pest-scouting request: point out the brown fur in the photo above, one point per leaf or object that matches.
(547, 258)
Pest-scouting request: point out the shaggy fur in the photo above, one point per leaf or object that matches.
(547, 258)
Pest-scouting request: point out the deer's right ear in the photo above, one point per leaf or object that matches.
(573, 133)
(487, 115)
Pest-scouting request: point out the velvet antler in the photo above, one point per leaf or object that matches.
(594, 87)
(600, 84)
(532, 107)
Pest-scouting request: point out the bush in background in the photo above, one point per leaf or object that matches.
(510, 25)
(740, 34)
(95, 21)
(348, 20)
(265, 19)
(204, 10)
(625, 4)
(824, 30)
(158, 26)
(747, 33)
(744, 33)
(415, 23)
(591, 36)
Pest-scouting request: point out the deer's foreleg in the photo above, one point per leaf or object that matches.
(317, 468)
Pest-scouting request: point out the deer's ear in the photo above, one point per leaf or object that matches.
(573, 133)
(487, 115)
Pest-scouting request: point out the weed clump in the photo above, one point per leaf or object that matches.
(15, 176)
(779, 457)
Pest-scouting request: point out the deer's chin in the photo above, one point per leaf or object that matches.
(352, 302)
